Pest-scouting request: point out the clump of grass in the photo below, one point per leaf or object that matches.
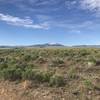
(27, 57)
(91, 61)
(2, 60)
(46, 76)
(57, 80)
(72, 74)
(84, 52)
(88, 84)
(41, 60)
(56, 62)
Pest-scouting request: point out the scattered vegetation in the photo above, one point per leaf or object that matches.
(72, 68)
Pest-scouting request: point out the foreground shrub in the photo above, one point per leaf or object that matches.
(28, 74)
(43, 76)
(11, 74)
(37, 75)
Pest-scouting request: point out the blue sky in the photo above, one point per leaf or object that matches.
(69, 22)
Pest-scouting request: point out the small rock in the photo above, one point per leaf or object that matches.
(90, 92)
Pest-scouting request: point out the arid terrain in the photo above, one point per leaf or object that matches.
(50, 74)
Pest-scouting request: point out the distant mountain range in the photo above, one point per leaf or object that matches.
(36, 46)
(56, 45)
(86, 46)
(48, 45)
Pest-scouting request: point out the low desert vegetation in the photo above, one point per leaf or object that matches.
(68, 69)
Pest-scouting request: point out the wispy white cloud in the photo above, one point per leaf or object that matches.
(35, 5)
(27, 22)
(46, 2)
(70, 4)
(70, 25)
(92, 5)
(37, 2)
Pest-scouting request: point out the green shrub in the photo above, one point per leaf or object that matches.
(92, 60)
(37, 75)
(84, 52)
(42, 76)
(27, 57)
(35, 55)
(11, 74)
(29, 74)
(3, 66)
(47, 76)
